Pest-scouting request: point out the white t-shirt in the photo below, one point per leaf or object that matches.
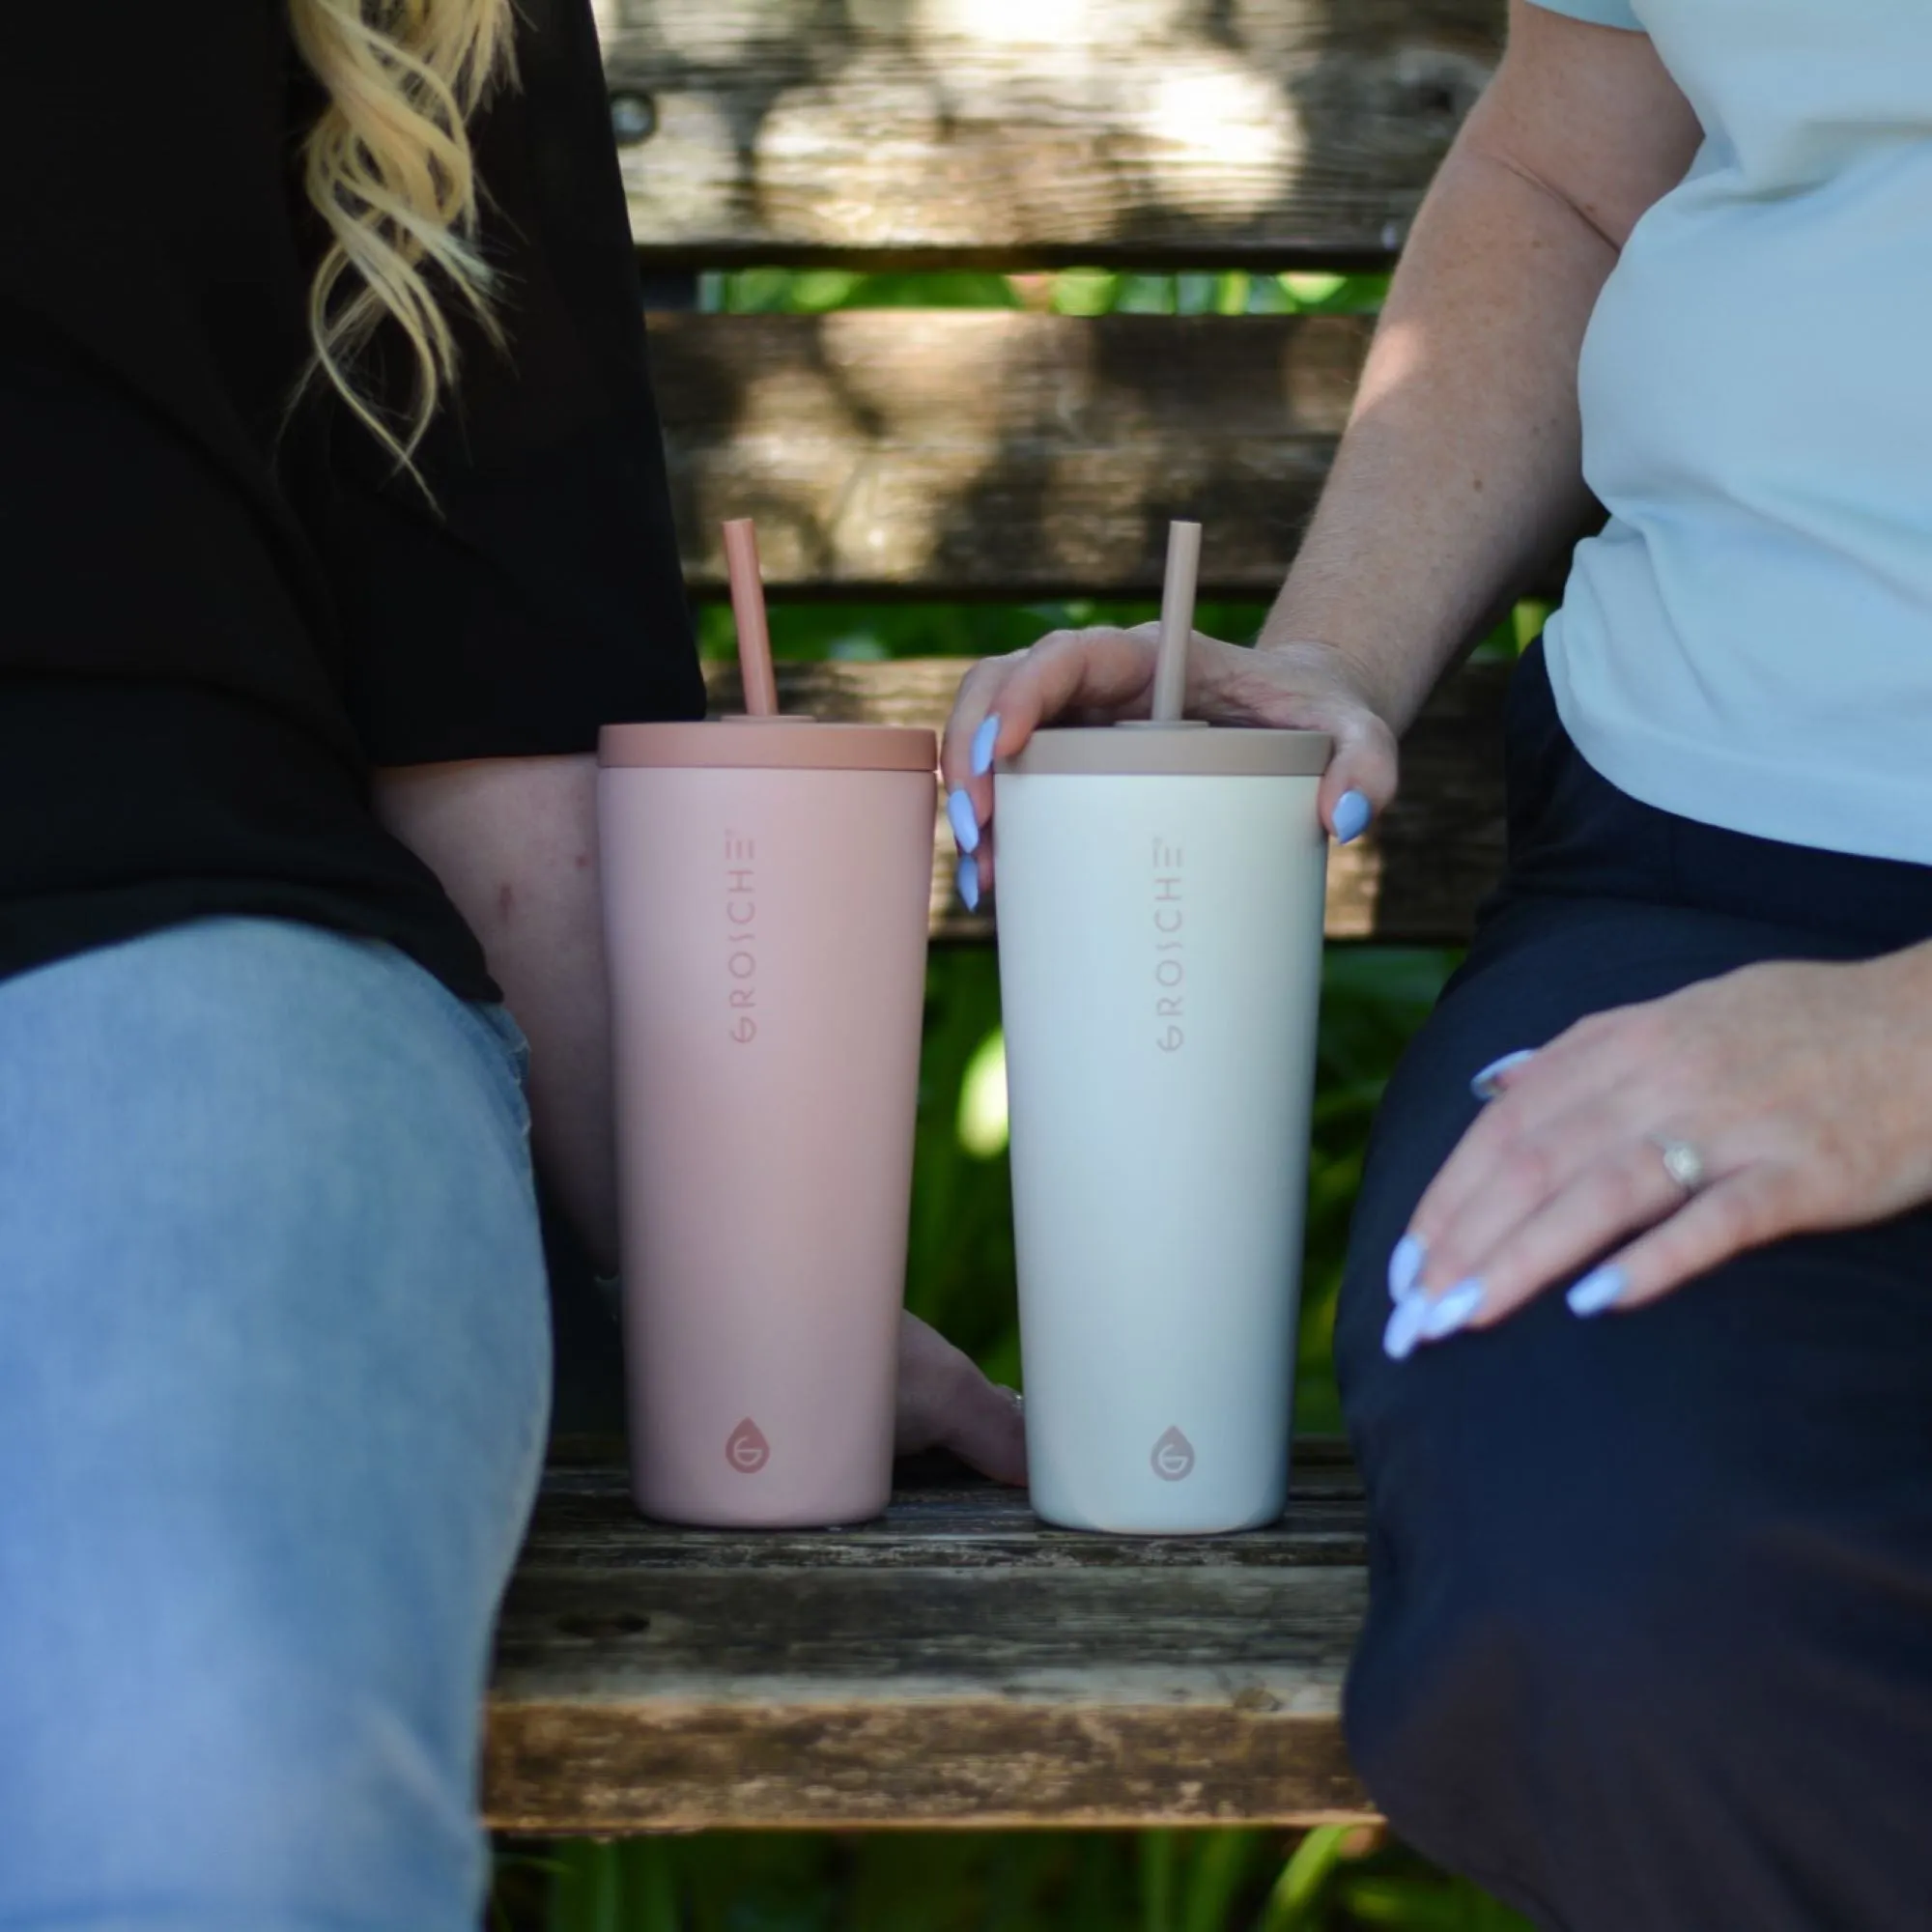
(1750, 641)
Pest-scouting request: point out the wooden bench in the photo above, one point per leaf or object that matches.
(957, 1663)
(954, 1664)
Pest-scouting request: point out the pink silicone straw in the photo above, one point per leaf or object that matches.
(1177, 622)
(747, 606)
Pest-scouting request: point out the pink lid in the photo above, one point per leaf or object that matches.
(782, 744)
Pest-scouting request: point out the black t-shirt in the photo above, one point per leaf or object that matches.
(215, 618)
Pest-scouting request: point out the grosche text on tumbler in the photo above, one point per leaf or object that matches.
(1160, 922)
(766, 882)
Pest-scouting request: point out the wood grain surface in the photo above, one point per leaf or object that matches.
(1415, 878)
(954, 1664)
(1043, 132)
(948, 454)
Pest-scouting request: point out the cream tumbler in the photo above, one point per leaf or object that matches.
(1160, 899)
(766, 886)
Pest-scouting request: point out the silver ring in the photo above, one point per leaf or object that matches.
(1684, 1164)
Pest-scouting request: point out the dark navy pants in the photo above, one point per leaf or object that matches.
(1650, 1637)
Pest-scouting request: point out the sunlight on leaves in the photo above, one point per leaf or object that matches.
(982, 1100)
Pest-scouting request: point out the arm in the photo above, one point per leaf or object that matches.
(1461, 473)
(514, 841)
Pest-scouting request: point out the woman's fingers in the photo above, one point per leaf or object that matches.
(1613, 1197)
(1551, 1111)
(1003, 701)
(1551, 1174)
(1300, 687)
(973, 871)
(1782, 1080)
(1105, 671)
(1105, 675)
(1582, 1231)
(945, 1403)
(965, 764)
(986, 1428)
(1552, 1228)
(1360, 780)
(1509, 1167)
(1741, 1211)
(972, 708)
(1514, 1178)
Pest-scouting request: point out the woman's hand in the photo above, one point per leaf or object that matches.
(945, 1403)
(1096, 677)
(1802, 1091)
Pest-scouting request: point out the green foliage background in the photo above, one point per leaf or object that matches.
(960, 1277)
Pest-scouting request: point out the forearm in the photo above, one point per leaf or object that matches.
(1461, 474)
(1460, 479)
(514, 841)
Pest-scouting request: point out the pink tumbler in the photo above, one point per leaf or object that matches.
(765, 891)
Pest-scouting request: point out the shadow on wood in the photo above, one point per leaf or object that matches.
(976, 454)
(955, 132)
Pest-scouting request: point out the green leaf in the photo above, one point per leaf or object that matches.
(585, 1888)
(1145, 295)
(1220, 1866)
(1158, 1859)
(651, 1886)
(1304, 1880)
(1231, 296)
(1414, 1904)
(1086, 292)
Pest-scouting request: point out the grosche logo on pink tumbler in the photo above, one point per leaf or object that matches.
(1173, 1458)
(741, 920)
(1170, 965)
(748, 1451)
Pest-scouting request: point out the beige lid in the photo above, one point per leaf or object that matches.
(1169, 752)
(780, 744)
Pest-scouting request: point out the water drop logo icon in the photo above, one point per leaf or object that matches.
(748, 1451)
(1173, 1458)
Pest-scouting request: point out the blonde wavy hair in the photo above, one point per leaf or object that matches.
(388, 166)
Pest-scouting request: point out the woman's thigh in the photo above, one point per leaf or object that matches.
(273, 1364)
(1651, 1630)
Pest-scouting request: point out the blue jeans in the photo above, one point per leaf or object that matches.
(273, 1375)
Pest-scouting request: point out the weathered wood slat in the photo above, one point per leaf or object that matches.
(977, 1522)
(956, 1663)
(1415, 878)
(960, 453)
(1014, 131)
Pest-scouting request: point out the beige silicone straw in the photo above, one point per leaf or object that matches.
(1177, 622)
(747, 606)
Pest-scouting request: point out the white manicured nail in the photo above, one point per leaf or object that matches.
(1483, 1086)
(1454, 1310)
(1353, 813)
(965, 823)
(1405, 1261)
(1405, 1327)
(1598, 1290)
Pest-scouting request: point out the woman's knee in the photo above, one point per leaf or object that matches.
(277, 1415)
(271, 1208)
(245, 1675)
(1571, 1563)
(199, 1733)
